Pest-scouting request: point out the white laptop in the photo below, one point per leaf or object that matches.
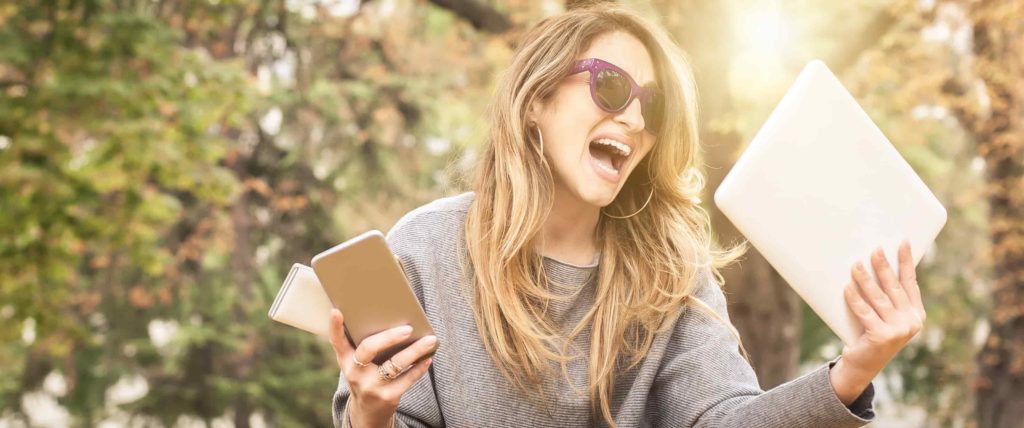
(819, 188)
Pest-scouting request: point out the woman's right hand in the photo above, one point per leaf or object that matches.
(375, 400)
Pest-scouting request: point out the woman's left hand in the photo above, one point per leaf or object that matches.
(890, 311)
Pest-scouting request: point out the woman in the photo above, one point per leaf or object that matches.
(576, 286)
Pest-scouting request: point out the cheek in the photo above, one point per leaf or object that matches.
(648, 148)
(587, 114)
(570, 127)
(576, 110)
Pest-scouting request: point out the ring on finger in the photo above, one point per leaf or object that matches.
(383, 374)
(357, 362)
(391, 368)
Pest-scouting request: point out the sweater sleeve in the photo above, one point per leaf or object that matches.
(705, 382)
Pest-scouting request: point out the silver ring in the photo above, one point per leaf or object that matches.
(358, 363)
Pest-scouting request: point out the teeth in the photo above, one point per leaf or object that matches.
(622, 148)
(607, 168)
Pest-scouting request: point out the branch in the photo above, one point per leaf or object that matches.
(12, 82)
(481, 16)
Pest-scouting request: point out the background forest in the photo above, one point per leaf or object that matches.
(164, 162)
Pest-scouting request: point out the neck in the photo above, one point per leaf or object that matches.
(569, 235)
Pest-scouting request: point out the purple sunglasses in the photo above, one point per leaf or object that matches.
(613, 90)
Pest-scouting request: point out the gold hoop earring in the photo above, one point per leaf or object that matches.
(540, 136)
(649, 196)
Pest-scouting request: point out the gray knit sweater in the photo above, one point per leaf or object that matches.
(693, 374)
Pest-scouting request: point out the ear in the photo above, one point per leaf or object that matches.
(536, 110)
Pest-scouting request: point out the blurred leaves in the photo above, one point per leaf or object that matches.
(163, 163)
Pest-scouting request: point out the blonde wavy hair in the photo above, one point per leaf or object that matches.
(650, 263)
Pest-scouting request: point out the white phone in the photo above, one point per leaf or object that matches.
(366, 282)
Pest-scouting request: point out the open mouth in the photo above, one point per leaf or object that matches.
(609, 154)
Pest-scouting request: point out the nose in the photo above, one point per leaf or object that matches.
(632, 118)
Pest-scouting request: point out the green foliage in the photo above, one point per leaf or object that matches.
(161, 167)
(163, 163)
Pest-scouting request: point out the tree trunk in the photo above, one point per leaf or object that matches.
(761, 306)
(998, 129)
(243, 276)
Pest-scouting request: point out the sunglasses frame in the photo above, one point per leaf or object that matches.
(645, 95)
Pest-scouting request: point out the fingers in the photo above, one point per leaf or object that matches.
(365, 382)
(414, 352)
(377, 343)
(908, 277)
(342, 348)
(864, 312)
(890, 307)
(872, 293)
(907, 273)
(414, 373)
(890, 284)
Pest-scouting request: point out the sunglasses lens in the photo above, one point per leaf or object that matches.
(612, 90)
(653, 111)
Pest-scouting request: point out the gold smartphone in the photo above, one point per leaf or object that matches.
(366, 282)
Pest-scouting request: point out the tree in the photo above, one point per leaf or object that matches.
(994, 115)
(163, 164)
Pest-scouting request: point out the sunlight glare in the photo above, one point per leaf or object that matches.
(762, 29)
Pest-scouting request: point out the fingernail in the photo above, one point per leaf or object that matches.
(429, 340)
(405, 329)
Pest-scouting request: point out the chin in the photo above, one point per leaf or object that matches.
(598, 197)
